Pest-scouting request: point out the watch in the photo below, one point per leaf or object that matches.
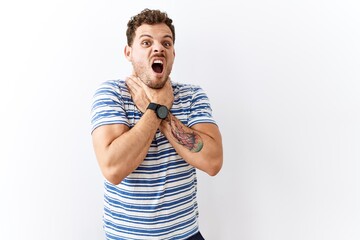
(161, 110)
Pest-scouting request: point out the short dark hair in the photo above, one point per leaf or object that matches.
(150, 17)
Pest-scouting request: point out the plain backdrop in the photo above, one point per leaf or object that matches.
(283, 78)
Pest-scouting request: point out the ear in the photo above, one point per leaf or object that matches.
(127, 52)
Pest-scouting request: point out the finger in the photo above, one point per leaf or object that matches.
(134, 78)
(139, 82)
(132, 85)
(131, 90)
(130, 79)
(168, 85)
(131, 93)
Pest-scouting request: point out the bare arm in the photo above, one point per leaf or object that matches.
(120, 151)
(200, 146)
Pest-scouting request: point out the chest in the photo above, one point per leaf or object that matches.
(180, 109)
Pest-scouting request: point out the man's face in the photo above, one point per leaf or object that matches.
(152, 54)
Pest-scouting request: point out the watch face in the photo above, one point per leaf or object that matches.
(162, 112)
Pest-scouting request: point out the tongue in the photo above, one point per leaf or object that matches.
(157, 68)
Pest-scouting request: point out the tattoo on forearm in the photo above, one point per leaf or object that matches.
(188, 139)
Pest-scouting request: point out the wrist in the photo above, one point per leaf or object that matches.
(165, 124)
(144, 107)
(161, 111)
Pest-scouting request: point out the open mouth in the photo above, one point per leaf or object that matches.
(158, 66)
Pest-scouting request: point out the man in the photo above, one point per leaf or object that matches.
(149, 135)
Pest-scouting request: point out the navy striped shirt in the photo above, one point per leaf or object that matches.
(158, 199)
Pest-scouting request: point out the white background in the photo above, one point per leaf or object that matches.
(282, 76)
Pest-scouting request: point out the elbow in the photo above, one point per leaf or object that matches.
(112, 176)
(113, 180)
(113, 173)
(215, 162)
(215, 167)
(214, 171)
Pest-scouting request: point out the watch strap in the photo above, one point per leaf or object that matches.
(160, 110)
(153, 106)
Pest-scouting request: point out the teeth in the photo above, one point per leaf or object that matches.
(158, 61)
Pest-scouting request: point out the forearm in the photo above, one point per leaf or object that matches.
(202, 150)
(126, 152)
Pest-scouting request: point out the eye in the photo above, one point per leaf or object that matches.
(146, 43)
(167, 44)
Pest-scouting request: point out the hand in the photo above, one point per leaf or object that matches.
(142, 95)
(163, 96)
(138, 94)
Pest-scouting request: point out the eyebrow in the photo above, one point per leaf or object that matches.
(149, 36)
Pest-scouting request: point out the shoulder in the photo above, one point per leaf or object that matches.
(186, 89)
(111, 88)
(112, 85)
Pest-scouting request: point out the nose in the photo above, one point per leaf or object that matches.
(158, 47)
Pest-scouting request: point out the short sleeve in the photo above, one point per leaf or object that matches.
(200, 109)
(108, 106)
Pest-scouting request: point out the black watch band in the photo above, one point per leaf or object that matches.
(160, 110)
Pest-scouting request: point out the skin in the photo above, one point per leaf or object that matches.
(151, 42)
(120, 150)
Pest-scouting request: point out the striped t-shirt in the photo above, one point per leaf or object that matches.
(158, 199)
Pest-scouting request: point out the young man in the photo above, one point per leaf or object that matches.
(149, 135)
